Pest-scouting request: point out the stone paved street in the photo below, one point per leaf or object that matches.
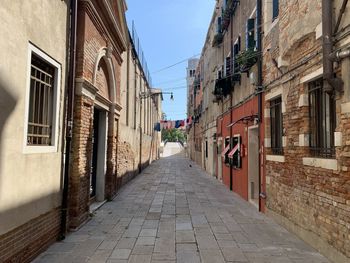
(176, 213)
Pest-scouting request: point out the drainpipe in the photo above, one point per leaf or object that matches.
(70, 114)
(339, 55)
(327, 29)
(259, 90)
(231, 97)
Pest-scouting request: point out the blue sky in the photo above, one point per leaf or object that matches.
(171, 31)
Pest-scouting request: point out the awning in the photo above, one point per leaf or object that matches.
(234, 150)
(245, 119)
(225, 150)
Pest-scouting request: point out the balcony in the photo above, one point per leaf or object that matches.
(224, 86)
(246, 59)
(227, 13)
(218, 38)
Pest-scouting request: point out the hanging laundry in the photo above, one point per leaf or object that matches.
(157, 127)
(177, 124)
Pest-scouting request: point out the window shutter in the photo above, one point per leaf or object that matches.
(228, 66)
(218, 28)
(275, 9)
(250, 35)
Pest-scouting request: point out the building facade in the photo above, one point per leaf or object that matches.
(227, 116)
(191, 71)
(138, 143)
(307, 117)
(101, 40)
(32, 94)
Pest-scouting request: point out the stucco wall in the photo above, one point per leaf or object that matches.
(29, 183)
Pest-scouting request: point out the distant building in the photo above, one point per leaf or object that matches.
(191, 71)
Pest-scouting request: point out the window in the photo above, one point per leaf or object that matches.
(226, 150)
(322, 120)
(206, 149)
(250, 34)
(42, 105)
(228, 66)
(218, 26)
(276, 126)
(236, 50)
(235, 152)
(275, 9)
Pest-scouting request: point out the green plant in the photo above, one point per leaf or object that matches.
(217, 39)
(246, 59)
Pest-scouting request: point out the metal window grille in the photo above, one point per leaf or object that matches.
(322, 120)
(276, 126)
(40, 103)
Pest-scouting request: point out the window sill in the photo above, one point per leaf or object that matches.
(39, 149)
(276, 158)
(330, 164)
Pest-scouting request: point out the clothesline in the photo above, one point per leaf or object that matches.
(167, 125)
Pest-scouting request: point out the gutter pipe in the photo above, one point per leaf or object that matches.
(70, 114)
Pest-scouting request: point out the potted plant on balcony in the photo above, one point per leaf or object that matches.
(217, 39)
(246, 59)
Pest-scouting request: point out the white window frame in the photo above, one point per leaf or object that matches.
(29, 149)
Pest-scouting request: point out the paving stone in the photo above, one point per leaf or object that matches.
(142, 250)
(185, 237)
(120, 253)
(233, 254)
(140, 259)
(145, 241)
(148, 233)
(128, 243)
(171, 213)
(211, 256)
(187, 256)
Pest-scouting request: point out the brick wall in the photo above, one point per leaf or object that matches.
(24, 243)
(312, 201)
(79, 182)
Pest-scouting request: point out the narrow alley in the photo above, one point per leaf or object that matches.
(174, 212)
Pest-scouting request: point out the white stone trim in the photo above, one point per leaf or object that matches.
(338, 139)
(304, 140)
(267, 142)
(85, 88)
(275, 158)
(267, 113)
(330, 164)
(345, 107)
(56, 103)
(284, 141)
(273, 94)
(312, 76)
(104, 53)
(318, 31)
(303, 100)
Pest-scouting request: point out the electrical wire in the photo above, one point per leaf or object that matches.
(173, 65)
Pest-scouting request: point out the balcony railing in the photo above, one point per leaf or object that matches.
(225, 86)
(218, 38)
(227, 13)
(246, 59)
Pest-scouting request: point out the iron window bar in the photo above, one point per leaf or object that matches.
(276, 126)
(322, 120)
(40, 103)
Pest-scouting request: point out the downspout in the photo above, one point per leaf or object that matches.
(70, 114)
(327, 29)
(231, 97)
(259, 91)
